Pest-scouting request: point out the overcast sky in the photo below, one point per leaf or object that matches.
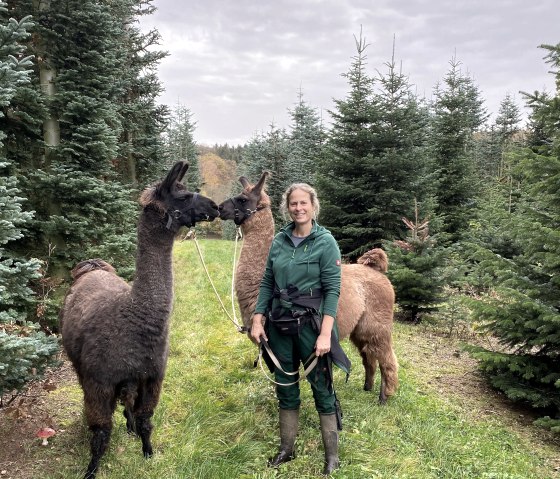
(238, 65)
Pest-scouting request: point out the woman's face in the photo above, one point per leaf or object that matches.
(300, 207)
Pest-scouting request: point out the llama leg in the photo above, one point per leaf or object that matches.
(147, 401)
(389, 373)
(128, 397)
(98, 445)
(130, 423)
(370, 365)
(99, 408)
(144, 429)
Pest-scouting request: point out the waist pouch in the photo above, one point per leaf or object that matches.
(290, 324)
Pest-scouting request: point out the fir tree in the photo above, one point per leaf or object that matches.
(374, 160)
(25, 351)
(269, 152)
(416, 270)
(523, 309)
(342, 187)
(140, 146)
(458, 113)
(306, 139)
(180, 143)
(101, 132)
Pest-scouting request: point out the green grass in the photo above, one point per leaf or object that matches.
(217, 417)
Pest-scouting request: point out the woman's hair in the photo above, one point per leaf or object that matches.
(303, 187)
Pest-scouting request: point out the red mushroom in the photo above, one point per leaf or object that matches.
(44, 433)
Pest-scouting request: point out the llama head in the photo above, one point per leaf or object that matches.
(178, 206)
(250, 200)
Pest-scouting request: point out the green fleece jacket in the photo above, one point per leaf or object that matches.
(315, 263)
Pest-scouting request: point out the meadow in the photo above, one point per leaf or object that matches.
(217, 417)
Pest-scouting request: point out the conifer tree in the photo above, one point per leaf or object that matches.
(416, 270)
(458, 113)
(306, 139)
(180, 143)
(25, 351)
(374, 158)
(523, 309)
(101, 129)
(342, 186)
(269, 152)
(140, 146)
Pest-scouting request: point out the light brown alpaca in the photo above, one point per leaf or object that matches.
(365, 307)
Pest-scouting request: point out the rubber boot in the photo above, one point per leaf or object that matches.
(288, 431)
(329, 431)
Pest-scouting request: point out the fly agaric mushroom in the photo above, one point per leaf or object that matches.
(44, 433)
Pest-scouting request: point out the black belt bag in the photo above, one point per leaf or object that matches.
(288, 320)
(290, 324)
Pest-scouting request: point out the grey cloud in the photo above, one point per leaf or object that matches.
(239, 65)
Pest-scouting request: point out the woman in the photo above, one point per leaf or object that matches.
(299, 296)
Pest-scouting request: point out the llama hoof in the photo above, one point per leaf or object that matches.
(148, 452)
(331, 466)
(281, 458)
(368, 387)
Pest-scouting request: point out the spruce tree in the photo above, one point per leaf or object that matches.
(523, 309)
(375, 158)
(458, 112)
(180, 144)
(25, 351)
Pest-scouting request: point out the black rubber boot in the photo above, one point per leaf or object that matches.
(329, 431)
(288, 431)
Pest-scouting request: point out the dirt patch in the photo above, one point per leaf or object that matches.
(20, 421)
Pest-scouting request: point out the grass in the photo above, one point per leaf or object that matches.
(217, 417)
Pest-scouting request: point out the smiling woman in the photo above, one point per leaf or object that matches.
(298, 295)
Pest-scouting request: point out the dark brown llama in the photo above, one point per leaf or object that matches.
(365, 307)
(116, 335)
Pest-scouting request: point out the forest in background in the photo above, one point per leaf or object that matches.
(467, 209)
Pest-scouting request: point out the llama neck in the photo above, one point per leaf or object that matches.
(153, 284)
(258, 233)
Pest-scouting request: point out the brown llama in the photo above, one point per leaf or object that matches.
(365, 307)
(116, 335)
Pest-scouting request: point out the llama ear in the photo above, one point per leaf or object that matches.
(258, 187)
(183, 171)
(173, 175)
(244, 181)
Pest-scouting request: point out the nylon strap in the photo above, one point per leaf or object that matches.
(311, 362)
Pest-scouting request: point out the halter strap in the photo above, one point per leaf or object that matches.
(247, 213)
(176, 214)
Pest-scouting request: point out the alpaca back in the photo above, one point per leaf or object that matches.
(367, 297)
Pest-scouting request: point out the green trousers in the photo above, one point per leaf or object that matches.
(291, 351)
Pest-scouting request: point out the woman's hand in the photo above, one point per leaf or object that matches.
(323, 343)
(257, 329)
